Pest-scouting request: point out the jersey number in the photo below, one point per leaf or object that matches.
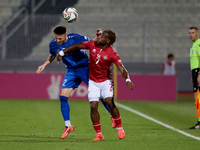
(64, 82)
(111, 87)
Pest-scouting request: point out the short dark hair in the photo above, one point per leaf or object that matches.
(60, 30)
(111, 36)
(194, 28)
(170, 55)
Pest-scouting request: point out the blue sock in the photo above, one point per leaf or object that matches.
(105, 105)
(65, 108)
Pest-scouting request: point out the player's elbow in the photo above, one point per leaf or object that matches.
(79, 45)
(74, 47)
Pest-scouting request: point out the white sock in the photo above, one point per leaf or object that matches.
(67, 123)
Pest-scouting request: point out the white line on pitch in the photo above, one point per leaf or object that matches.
(156, 121)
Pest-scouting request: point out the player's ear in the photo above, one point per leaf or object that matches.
(108, 41)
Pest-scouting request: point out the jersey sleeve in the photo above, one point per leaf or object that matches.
(198, 49)
(116, 59)
(86, 44)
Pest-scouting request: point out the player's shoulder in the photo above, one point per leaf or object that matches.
(53, 43)
(198, 42)
(90, 42)
(111, 50)
(73, 35)
(77, 36)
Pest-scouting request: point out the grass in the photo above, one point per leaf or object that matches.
(38, 125)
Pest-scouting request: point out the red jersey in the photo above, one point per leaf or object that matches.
(100, 61)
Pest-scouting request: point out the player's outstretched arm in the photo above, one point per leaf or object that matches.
(48, 61)
(125, 74)
(68, 49)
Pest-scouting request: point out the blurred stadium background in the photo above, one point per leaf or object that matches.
(147, 30)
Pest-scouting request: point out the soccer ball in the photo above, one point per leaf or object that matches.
(70, 14)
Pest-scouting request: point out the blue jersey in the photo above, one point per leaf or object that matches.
(73, 59)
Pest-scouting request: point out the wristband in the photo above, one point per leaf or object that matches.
(61, 53)
(128, 80)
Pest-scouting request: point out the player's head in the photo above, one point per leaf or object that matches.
(108, 37)
(60, 33)
(170, 57)
(193, 33)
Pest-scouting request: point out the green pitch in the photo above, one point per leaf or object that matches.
(38, 125)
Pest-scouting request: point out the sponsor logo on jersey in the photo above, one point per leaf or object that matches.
(105, 57)
(57, 50)
(71, 36)
(191, 51)
(94, 50)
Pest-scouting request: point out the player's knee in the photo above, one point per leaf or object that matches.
(93, 106)
(113, 103)
(64, 101)
(110, 102)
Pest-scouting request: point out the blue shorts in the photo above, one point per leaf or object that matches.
(74, 77)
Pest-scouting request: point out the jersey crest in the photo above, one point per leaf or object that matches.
(105, 57)
(94, 50)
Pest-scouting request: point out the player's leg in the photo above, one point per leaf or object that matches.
(68, 84)
(65, 109)
(107, 93)
(195, 88)
(83, 74)
(108, 109)
(95, 117)
(93, 96)
(105, 105)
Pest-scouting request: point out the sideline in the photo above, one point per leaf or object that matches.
(156, 121)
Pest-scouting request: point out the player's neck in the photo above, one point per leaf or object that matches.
(104, 46)
(195, 40)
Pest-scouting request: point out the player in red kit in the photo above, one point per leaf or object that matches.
(102, 56)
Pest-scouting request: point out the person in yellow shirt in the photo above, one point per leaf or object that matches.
(194, 66)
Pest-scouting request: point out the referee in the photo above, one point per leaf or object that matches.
(194, 66)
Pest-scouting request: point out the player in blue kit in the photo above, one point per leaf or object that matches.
(77, 69)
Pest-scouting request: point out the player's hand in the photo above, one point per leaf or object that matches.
(59, 58)
(40, 69)
(98, 32)
(130, 84)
